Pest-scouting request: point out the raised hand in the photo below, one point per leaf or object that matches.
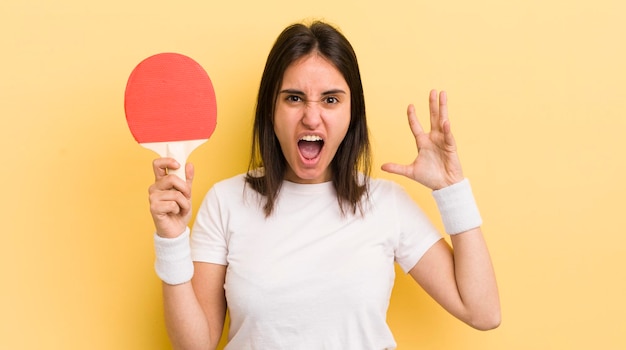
(170, 198)
(437, 164)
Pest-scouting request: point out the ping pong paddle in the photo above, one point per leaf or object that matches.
(170, 106)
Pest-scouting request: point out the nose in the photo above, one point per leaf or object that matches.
(312, 115)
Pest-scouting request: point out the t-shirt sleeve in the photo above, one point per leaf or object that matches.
(416, 232)
(208, 236)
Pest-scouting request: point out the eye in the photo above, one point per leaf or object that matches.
(293, 98)
(331, 100)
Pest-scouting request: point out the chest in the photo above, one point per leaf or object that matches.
(312, 259)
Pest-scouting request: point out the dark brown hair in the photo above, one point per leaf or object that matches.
(353, 155)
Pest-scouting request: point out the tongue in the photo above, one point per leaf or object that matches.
(310, 149)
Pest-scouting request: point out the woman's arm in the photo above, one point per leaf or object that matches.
(460, 278)
(193, 295)
(195, 311)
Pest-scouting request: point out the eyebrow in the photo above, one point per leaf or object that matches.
(298, 92)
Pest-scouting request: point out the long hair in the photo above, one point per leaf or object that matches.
(353, 156)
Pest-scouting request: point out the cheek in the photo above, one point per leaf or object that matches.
(280, 134)
(341, 125)
(282, 129)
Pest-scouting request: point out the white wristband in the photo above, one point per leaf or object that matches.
(457, 207)
(173, 262)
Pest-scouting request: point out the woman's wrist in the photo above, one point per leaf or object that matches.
(457, 207)
(173, 262)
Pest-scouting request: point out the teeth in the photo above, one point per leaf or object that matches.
(311, 138)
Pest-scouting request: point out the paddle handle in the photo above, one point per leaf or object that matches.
(179, 150)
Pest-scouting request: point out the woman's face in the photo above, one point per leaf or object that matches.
(312, 117)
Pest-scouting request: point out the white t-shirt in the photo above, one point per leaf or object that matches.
(308, 277)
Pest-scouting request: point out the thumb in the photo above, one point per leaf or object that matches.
(397, 169)
(189, 173)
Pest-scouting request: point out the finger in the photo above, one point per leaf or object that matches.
(433, 106)
(171, 183)
(445, 121)
(168, 202)
(443, 108)
(414, 124)
(158, 194)
(184, 187)
(397, 169)
(162, 205)
(165, 208)
(189, 173)
(447, 134)
(160, 166)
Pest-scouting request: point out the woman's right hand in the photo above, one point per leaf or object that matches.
(170, 198)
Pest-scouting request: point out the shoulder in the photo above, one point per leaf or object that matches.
(233, 191)
(383, 187)
(235, 182)
(388, 195)
(224, 189)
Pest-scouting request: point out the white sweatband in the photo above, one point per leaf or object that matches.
(173, 262)
(457, 207)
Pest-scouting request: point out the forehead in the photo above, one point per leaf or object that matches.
(313, 71)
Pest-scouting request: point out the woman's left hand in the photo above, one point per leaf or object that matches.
(437, 164)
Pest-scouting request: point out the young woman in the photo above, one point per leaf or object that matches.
(301, 248)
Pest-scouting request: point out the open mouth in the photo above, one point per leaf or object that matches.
(310, 146)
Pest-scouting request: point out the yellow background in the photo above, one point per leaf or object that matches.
(536, 93)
